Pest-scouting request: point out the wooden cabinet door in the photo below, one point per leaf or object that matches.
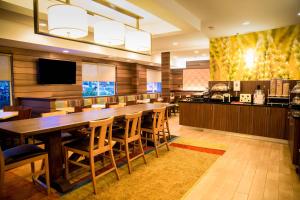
(188, 114)
(207, 116)
(260, 116)
(277, 123)
(245, 120)
(292, 129)
(232, 118)
(219, 116)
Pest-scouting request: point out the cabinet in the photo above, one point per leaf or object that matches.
(294, 138)
(219, 117)
(277, 123)
(253, 120)
(207, 113)
(260, 120)
(232, 118)
(245, 119)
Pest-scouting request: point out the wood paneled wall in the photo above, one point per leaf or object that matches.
(25, 74)
(130, 77)
(141, 78)
(197, 64)
(165, 74)
(176, 79)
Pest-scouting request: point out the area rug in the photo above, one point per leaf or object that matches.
(168, 177)
(198, 144)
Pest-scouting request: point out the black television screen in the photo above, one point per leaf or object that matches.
(56, 72)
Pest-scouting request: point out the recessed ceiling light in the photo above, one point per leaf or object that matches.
(245, 23)
(196, 51)
(65, 51)
(175, 43)
(211, 27)
(298, 13)
(43, 24)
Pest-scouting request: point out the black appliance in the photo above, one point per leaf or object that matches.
(56, 71)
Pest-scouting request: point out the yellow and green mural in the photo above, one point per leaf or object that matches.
(257, 56)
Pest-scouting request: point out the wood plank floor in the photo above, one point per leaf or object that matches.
(249, 170)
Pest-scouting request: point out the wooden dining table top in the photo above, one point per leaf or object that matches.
(34, 126)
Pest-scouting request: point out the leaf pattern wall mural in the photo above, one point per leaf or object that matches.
(276, 54)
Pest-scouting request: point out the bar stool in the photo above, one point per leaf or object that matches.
(22, 155)
(99, 142)
(131, 134)
(156, 129)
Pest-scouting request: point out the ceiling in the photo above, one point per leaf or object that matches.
(225, 16)
(182, 26)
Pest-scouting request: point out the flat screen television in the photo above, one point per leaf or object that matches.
(56, 71)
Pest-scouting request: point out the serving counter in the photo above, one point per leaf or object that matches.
(259, 120)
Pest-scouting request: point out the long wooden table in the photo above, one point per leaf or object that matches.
(52, 127)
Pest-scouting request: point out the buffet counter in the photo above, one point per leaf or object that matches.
(259, 120)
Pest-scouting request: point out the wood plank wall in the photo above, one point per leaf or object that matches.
(166, 74)
(128, 80)
(24, 75)
(141, 78)
(197, 64)
(177, 79)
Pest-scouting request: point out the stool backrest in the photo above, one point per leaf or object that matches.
(101, 130)
(133, 124)
(158, 118)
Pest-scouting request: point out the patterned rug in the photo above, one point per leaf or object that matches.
(168, 177)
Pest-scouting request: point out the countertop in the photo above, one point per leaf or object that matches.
(235, 104)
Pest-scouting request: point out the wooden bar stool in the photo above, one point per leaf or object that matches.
(22, 155)
(131, 134)
(166, 124)
(99, 142)
(156, 129)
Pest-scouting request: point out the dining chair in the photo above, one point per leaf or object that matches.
(99, 142)
(23, 113)
(131, 134)
(66, 136)
(21, 155)
(156, 129)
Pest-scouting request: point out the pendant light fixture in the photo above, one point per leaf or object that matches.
(67, 21)
(137, 40)
(109, 32)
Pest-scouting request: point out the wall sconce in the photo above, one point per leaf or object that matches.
(250, 58)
